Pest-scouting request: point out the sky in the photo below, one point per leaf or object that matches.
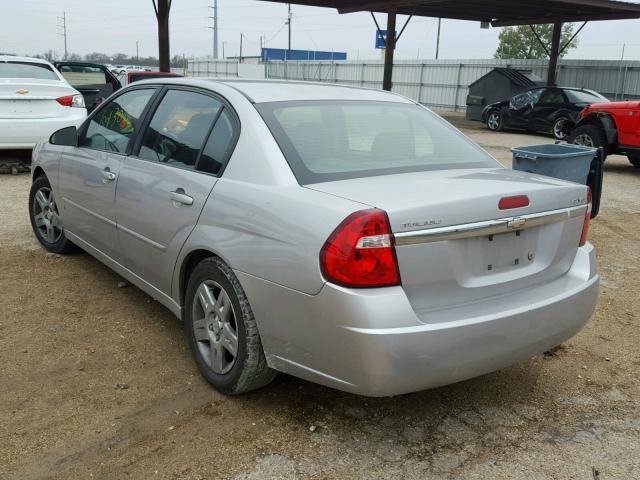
(114, 26)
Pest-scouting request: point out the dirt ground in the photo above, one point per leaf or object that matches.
(97, 382)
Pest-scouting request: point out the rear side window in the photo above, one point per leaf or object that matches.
(336, 140)
(218, 148)
(179, 128)
(116, 122)
(27, 70)
(584, 96)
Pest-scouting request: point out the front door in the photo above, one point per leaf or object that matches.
(520, 109)
(95, 82)
(89, 172)
(162, 189)
(546, 108)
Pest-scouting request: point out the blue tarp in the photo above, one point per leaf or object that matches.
(281, 54)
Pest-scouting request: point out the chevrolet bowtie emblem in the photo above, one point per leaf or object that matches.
(22, 91)
(516, 223)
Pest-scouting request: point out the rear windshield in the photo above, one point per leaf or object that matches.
(336, 140)
(584, 96)
(27, 70)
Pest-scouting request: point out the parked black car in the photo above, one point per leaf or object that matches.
(547, 109)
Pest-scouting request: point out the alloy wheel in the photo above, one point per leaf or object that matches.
(214, 326)
(584, 139)
(558, 129)
(493, 121)
(45, 214)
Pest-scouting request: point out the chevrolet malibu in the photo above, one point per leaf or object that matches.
(346, 236)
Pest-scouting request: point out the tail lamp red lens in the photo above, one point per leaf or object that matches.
(71, 101)
(517, 201)
(587, 219)
(360, 252)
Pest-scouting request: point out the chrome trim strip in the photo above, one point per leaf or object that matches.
(489, 227)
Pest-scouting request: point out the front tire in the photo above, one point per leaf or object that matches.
(495, 121)
(589, 136)
(634, 159)
(45, 218)
(222, 331)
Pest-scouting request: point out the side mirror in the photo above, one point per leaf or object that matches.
(66, 137)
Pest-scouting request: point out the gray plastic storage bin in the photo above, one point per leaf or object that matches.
(564, 161)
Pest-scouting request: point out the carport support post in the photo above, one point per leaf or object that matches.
(390, 46)
(162, 8)
(554, 54)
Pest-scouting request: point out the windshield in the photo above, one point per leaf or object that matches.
(337, 140)
(584, 96)
(27, 70)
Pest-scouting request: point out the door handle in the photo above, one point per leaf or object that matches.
(179, 196)
(108, 175)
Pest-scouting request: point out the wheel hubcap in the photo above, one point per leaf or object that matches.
(584, 139)
(494, 121)
(214, 326)
(558, 129)
(45, 214)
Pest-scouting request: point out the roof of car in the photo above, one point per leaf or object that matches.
(14, 58)
(260, 91)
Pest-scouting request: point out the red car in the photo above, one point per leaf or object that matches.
(134, 76)
(615, 126)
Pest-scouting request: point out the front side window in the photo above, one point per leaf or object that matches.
(525, 100)
(336, 140)
(179, 128)
(27, 70)
(115, 123)
(552, 96)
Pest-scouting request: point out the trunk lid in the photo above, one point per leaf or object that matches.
(32, 98)
(440, 272)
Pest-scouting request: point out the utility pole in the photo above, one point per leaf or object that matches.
(289, 24)
(138, 50)
(223, 56)
(438, 39)
(215, 28)
(241, 48)
(64, 31)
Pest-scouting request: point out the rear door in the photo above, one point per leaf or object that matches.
(546, 109)
(94, 81)
(164, 186)
(89, 172)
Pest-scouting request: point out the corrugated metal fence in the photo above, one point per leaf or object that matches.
(443, 83)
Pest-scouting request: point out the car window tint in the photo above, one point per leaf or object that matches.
(79, 76)
(178, 128)
(116, 122)
(27, 70)
(552, 95)
(216, 151)
(584, 96)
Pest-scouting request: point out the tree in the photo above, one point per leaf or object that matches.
(521, 41)
(97, 57)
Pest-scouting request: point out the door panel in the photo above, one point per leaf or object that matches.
(520, 109)
(157, 208)
(544, 110)
(88, 181)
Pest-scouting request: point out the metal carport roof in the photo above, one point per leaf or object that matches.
(498, 13)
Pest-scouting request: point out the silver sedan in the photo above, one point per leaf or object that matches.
(349, 237)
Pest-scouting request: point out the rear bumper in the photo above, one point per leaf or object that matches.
(19, 133)
(371, 342)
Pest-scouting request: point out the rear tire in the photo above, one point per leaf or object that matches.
(45, 219)
(495, 121)
(222, 331)
(634, 159)
(559, 127)
(589, 136)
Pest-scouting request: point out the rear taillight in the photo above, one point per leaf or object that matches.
(518, 201)
(360, 252)
(587, 219)
(71, 101)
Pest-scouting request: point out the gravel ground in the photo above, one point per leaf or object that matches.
(97, 382)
